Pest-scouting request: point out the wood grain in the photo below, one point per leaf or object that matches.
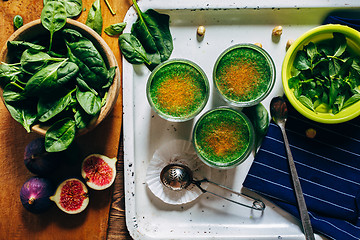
(93, 223)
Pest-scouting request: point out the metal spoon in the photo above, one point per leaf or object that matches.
(179, 176)
(279, 113)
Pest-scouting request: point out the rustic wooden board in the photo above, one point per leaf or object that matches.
(16, 222)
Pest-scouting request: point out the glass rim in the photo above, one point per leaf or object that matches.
(235, 162)
(199, 108)
(270, 86)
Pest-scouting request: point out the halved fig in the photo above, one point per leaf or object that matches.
(99, 171)
(71, 196)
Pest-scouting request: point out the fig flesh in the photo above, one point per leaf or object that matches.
(35, 194)
(99, 171)
(71, 196)
(38, 161)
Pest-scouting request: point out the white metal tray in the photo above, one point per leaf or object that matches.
(227, 23)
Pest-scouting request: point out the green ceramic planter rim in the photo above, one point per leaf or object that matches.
(314, 35)
(241, 158)
(200, 107)
(272, 72)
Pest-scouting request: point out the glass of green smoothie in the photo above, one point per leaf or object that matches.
(177, 90)
(223, 137)
(244, 75)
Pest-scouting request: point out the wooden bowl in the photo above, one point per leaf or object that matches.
(35, 28)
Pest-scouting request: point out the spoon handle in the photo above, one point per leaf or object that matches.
(304, 215)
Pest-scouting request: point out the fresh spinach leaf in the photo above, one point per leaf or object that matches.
(73, 7)
(94, 18)
(82, 119)
(18, 21)
(115, 29)
(13, 93)
(9, 73)
(83, 86)
(60, 135)
(110, 77)
(32, 61)
(89, 102)
(23, 45)
(49, 107)
(83, 53)
(132, 49)
(43, 81)
(259, 117)
(22, 113)
(152, 30)
(53, 18)
(67, 72)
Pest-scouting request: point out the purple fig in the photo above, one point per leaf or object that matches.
(38, 161)
(35, 194)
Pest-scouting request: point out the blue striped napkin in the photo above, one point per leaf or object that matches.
(328, 166)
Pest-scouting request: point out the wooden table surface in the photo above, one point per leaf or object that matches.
(105, 216)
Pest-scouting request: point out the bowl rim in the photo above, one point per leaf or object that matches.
(235, 162)
(268, 59)
(105, 52)
(345, 114)
(191, 64)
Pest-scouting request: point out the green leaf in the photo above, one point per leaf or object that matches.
(66, 73)
(60, 135)
(340, 44)
(356, 66)
(152, 30)
(33, 61)
(13, 93)
(333, 92)
(311, 51)
(18, 21)
(353, 99)
(23, 114)
(83, 53)
(339, 102)
(83, 86)
(306, 102)
(132, 49)
(8, 73)
(23, 45)
(89, 102)
(53, 18)
(294, 82)
(94, 19)
(334, 67)
(73, 7)
(115, 29)
(49, 107)
(111, 75)
(259, 117)
(301, 62)
(43, 80)
(82, 119)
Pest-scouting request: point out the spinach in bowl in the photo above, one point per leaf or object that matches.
(63, 90)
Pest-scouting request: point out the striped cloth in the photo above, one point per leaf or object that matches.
(328, 167)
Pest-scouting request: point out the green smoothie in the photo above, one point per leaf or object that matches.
(244, 74)
(223, 137)
(178, 90)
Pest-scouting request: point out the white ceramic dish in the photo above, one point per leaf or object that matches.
(227, 23)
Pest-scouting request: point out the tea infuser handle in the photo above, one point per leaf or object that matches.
(256, 205)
